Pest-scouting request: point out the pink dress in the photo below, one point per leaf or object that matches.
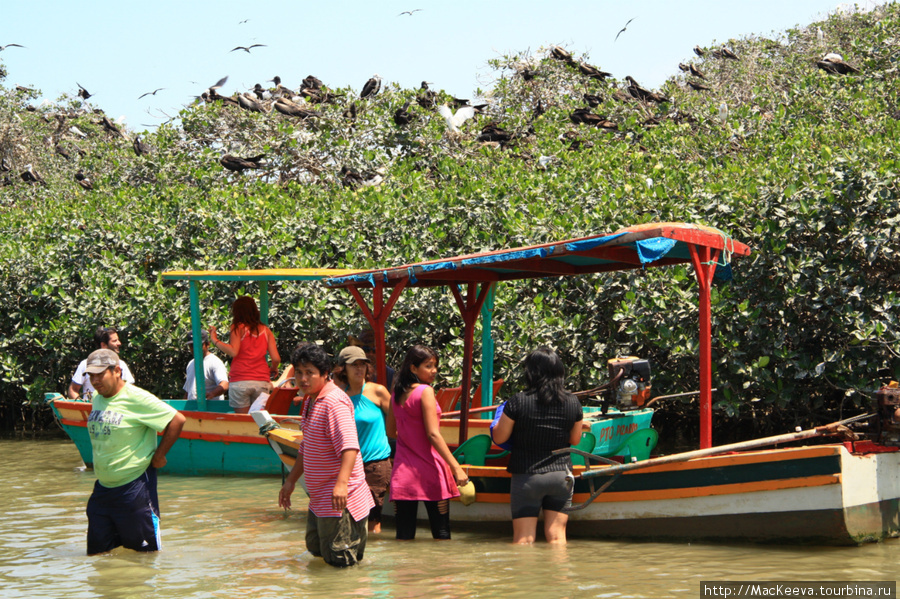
(420, 474)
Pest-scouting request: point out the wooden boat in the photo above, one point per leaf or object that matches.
(837, 493)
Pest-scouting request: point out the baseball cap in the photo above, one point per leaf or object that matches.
(351, 354)
(204, 338)
(100, 360)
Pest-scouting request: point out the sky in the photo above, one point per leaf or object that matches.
(119, 50)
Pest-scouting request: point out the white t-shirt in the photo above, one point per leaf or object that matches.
(82, 378)
(214, 372)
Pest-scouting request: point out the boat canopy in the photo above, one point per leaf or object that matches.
(708, 249)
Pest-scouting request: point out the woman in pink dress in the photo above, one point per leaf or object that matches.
(424, 468)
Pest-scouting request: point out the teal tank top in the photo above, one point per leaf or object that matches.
(373, 441)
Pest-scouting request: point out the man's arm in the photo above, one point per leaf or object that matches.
(170, 435)
(339, 495)
(74, 390)
(284, 496)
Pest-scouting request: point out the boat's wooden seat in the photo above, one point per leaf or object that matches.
(474, 451)
(447, 397)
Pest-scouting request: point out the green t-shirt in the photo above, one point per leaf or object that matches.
(123, 432)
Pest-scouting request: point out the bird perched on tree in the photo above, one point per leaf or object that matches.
(696, 72)
(724, 52)
(584, 116)
(642, 94)
(592, 100)
(350, 112)
(371, 87)
(111, 127)
(593, 72)
(697, 86)
(247, 48)
(834, 64)
(260, 92)
(527, 73)
(29, 175)
(140, 148)
(82, 93)
(685, 68)
(401, 115)
(311, 82)
(286, 107)
(699, 51)
(559, 54)
(236, 164)
(425, 98)
(455, 119)
(492, 133)
(83, 181)
(248, 103)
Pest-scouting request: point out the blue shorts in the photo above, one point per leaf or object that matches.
(126, 516)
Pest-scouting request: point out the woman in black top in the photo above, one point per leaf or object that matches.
(537, 421)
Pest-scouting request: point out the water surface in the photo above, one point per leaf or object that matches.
(226, 537)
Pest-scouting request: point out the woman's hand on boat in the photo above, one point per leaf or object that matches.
(284, 496)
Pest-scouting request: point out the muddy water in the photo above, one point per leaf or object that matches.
(226, 537)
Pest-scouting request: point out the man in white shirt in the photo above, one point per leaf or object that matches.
(214, 372)
(105, 338)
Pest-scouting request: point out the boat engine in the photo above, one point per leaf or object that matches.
(629, 383)
(887, 419)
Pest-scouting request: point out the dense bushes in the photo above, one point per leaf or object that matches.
(803, 169)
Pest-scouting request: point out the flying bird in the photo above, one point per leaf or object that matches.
(153, 93)
(455, 119)
(621, 31)
(82, 93)
(2, 48)
(244, 21)
(409, 12)
(247, 48)
(236, 164)
(371, 87)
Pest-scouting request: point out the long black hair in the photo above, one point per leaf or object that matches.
(405, 379)
(545, 375)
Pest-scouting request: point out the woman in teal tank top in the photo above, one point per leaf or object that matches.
(370, 407)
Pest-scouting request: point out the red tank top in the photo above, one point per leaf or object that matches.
(250, 363)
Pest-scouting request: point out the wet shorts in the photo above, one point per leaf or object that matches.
(341, 542)
(529, 493)
(243, 393)
(126, 516)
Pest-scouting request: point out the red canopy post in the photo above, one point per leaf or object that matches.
(377, 317)
(704, 262)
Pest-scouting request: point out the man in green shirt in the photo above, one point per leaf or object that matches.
(123, 426)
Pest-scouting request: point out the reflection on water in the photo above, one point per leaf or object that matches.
(226, 537)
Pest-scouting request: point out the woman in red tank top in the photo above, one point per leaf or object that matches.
(250, 342)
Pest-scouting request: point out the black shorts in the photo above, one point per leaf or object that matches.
(126, 516)
(529, 493)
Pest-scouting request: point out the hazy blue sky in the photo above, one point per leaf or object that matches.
(119, 50)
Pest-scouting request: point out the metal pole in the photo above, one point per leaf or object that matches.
(264, 302)
(199, 376)
(487, 351)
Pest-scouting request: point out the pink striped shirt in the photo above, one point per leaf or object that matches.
(328, 430)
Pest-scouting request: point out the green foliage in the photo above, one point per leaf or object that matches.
(803, 169)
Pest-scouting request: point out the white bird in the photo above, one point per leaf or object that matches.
(820, 35)
(723, 112)
(454, 120)
(833, 57)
